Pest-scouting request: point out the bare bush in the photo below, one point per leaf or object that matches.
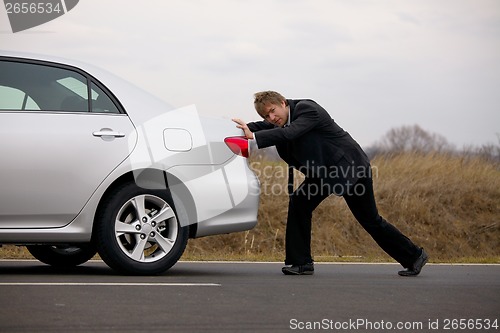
(411, 139)
(489, 152)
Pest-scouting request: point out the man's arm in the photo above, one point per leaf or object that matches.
(305, 118)
(252, 127)
(260, 125)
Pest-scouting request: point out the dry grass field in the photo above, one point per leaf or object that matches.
(448, 204)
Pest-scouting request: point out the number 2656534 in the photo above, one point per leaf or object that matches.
(470, 324)
(33, 8)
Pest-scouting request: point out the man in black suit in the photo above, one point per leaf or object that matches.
(308, 139)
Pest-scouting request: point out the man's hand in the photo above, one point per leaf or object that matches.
(241, 124)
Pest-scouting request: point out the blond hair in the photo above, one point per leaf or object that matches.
(265, 97)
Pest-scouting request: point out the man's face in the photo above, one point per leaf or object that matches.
(276, 114)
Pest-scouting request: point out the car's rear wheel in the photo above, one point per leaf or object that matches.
(63, 255)
(138, 231)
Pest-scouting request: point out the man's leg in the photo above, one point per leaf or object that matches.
(388, 237)
(298, 227)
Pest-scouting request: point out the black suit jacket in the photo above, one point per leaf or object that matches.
(315, 145)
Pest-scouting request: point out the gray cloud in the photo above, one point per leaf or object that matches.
(373, 65)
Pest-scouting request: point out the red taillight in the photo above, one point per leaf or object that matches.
(238, 145)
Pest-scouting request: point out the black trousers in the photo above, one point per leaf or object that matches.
(362, 204)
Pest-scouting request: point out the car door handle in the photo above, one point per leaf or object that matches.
(108, 132)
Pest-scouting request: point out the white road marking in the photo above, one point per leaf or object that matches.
(172, 284)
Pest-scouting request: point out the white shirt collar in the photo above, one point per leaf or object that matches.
(288, 120)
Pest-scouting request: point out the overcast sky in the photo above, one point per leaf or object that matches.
(374, 65)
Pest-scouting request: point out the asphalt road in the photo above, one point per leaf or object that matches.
(249, 297)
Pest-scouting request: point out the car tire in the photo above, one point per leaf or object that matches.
(63, 255)
(138, 230)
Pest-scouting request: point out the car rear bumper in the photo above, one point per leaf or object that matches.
(240, 218)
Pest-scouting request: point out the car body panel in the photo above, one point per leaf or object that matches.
(52, 164)
(218, 190)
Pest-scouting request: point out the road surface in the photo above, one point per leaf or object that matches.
(249, 297)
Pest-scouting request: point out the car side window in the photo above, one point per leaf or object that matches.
(75, 92)
(101, 102)
(15, 99)
(32, 86)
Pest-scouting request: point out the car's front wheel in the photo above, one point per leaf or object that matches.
(138, 231)
(63, 255)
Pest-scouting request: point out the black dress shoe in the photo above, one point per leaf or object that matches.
(307, 269)
(415, 269)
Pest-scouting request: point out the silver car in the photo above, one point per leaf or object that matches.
(91, 163)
